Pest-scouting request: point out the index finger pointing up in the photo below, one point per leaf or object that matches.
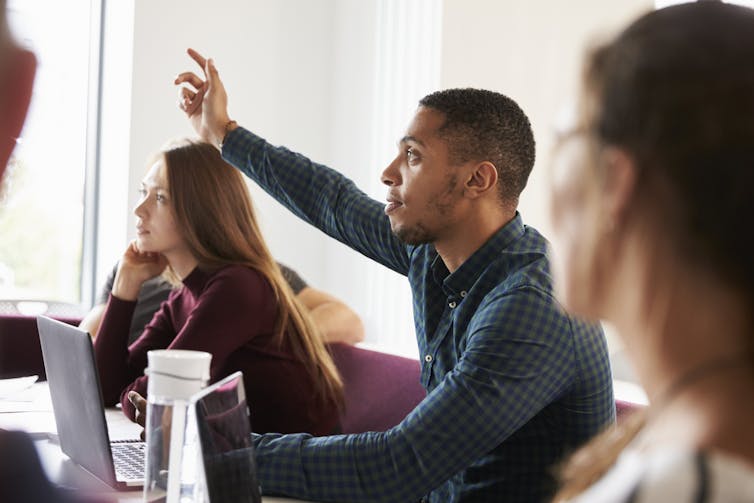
(200, 60)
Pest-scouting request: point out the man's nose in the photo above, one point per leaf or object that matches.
(391, 174)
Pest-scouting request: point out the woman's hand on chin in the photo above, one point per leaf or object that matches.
(134, 268)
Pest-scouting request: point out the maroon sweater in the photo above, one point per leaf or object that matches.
(229, 313)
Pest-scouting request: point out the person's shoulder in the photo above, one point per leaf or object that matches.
(294, 279)
(240, 279)
(527, 283)
(237, 285)
(237, 273)
(674, 474)
(733, 477)
(680, 474)
(158, 288)
(526, 311)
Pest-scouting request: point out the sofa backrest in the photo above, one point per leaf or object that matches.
(380, 389)
(20, 352)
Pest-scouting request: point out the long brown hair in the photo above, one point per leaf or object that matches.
(676, 91)
(215, 213)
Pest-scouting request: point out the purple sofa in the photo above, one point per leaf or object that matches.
(20, 352)
(380, 389)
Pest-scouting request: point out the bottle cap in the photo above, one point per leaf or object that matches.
(177, 373)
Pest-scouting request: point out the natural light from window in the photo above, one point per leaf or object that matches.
(42, 201)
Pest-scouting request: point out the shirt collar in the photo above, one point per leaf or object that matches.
(466, 275)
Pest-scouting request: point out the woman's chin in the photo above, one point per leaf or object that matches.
(144, 246)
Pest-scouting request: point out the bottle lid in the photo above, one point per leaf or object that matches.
(177, 373)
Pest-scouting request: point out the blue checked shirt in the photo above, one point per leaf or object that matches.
(512, 382)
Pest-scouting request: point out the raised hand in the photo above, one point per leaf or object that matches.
(205, 102)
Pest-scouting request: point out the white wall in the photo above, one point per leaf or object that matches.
(276, 60)
(530, 51)
(307, 74)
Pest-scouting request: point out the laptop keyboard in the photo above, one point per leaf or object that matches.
(128, 458)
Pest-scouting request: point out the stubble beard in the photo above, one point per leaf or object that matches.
(414, 236)
(442, 205)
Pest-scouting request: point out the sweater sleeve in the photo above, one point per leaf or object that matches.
(117, 363)
(111, 348)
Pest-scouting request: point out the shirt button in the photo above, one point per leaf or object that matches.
(428, 358)
(463, 293)
(452, 304)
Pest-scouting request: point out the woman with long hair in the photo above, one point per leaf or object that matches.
(196, 225)
(653, 192)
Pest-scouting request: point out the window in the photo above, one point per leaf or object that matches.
(42, 203)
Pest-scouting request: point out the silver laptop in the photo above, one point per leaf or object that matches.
(79, 411)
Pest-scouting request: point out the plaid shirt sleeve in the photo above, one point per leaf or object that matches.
(515, 363)
(319, 195)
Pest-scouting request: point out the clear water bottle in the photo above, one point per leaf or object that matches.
(174, 375)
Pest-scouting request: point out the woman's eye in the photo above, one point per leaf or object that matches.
(160, 198)
(142, 192)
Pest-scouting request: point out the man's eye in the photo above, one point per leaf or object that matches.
(411, 155)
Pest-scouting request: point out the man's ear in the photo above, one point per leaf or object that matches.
(15, 93)
(619, 183)
(481, 180)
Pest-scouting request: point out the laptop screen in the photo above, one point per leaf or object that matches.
(224, 436)
(76, 399)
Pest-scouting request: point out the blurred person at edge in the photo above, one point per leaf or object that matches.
(651, 188)
(21, 476)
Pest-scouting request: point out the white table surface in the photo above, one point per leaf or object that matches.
(30, 410)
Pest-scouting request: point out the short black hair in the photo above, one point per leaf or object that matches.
(482, 125)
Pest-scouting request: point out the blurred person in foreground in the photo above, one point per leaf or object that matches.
(653, 186)
(21, 476)
(17, 69)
